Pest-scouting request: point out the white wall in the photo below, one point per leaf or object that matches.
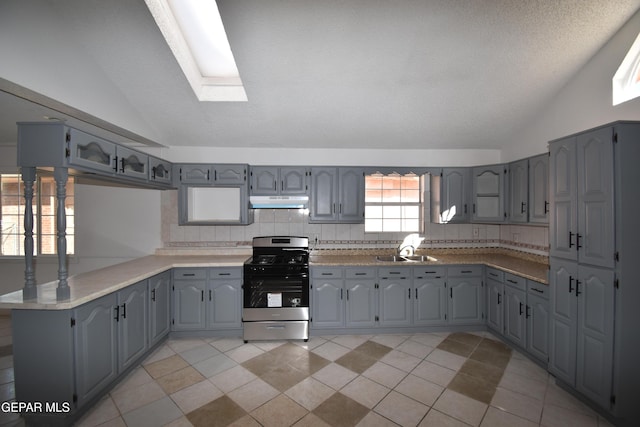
(585, 102)
(112, 225)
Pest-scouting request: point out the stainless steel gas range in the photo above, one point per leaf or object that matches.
(276, 289)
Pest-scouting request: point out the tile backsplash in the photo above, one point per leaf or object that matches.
(294, 222)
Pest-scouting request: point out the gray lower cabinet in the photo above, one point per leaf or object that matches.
(495, 305)
(395, 296)
(515, 303)
(581, 334)
(430, 296)
(538, 320)
(466, 299)
(361, 297)
(224, 298)
(327, 297)
(133, 324)
(207, 298)
(70, 357)
(159, 307)
(96, 346)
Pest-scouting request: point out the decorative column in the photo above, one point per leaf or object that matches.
(61, 175)
(30, 290)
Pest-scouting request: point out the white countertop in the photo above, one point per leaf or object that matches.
(89, 286)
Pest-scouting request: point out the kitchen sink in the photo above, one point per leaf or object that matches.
(407, 258)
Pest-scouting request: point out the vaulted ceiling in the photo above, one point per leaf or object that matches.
(317, 73)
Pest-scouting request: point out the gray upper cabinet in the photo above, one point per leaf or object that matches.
(519, 191)
(211, 174)
(52, 144)
(489, 194)
(581, 178)
(451, 196)
(213, 194)
(160, 170)
(275, 180)
(337, 195)
(539, 189)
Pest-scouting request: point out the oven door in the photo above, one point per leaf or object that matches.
(276, 291)
(269, 298)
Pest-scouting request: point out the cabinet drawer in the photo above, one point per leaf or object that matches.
(464, 270)
(495, 274)
(539, 289)
(189, 273)
(225, 273)
(429, 272)
(326, 272)
(515, 281)
(360, 273)
(394, 272)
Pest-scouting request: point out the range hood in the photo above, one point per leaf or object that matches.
(279, 202)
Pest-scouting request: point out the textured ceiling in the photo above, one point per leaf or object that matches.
(350, 73)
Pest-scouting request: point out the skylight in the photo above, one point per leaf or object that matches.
(626, 81)
(194, 31)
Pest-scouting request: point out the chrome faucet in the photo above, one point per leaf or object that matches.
(410, 250)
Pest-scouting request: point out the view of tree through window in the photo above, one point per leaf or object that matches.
(44, 212)
(393, 203)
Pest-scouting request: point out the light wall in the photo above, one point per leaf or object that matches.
(584, 103)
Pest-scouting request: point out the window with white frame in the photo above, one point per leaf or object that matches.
(393, 203)
(12, 209)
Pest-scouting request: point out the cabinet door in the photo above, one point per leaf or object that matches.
(455, 193)
(293, 181)
(515, 327)
(159, 170)
(90, 152)
(232, 174)
(133, 328)
(188, 305)
(465, 299)
(351, 195)
(430, 301)
(564, 319)
(132, 163)
(519, 191)
(324, 193)
(395, 302)
(195, 174)
(159, 307)
(264, 180)
(595, 238)
(563, 223)
(360, 302)
(595, 333)
(327, 303)
(489, 193)
(495, 306)
(96, 356)
(538, 318)
(224, 303)
(539, 189)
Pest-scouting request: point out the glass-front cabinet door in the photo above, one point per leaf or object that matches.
(91, 152)
(132, 163)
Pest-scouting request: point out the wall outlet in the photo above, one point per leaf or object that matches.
(476, 232)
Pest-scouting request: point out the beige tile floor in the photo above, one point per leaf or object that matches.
(430, 379)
